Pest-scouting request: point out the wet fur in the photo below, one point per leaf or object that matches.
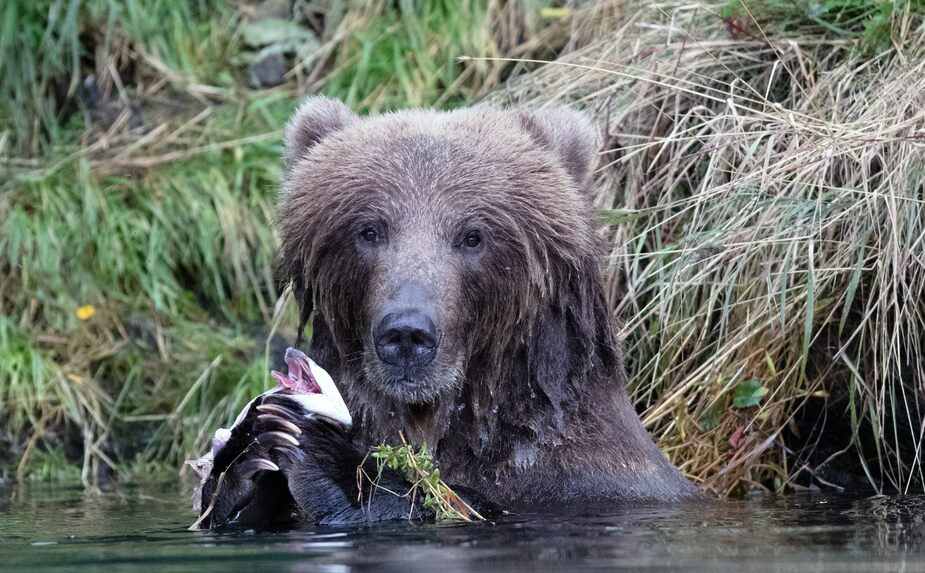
(526, 402)
(524, 405)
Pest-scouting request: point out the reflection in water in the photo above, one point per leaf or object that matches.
(145, 528)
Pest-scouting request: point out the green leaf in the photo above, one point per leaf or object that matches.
(810, 310)
(748, 394)
(710, 419)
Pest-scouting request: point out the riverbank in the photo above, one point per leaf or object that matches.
(761, 189)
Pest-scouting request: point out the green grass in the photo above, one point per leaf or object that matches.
(162, 233)
(46, 46)
(375, 54)
(178, 265)
(406, 53)
(765, 210)
(874, 24)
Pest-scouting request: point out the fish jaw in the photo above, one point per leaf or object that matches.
(300, 378)
(313, 388)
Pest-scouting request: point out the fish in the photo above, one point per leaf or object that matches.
(304, 383)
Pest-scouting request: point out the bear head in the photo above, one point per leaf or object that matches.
(436, 249)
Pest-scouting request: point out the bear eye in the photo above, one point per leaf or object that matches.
(369, 235)
(473, 239)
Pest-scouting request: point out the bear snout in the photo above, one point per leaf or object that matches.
(407, 339)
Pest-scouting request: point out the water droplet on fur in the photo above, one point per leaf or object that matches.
(524, 455)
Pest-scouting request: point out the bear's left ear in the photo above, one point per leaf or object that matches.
(317, 118)
(570, 134)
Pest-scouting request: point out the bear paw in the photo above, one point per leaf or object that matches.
(241, 478)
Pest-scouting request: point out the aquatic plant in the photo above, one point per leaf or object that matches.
(427, 486)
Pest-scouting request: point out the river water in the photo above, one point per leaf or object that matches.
(144, 529)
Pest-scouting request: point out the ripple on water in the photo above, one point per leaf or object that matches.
(144, 528)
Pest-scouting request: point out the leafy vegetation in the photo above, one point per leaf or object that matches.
(748, 394)
(873, 23)
(761, 193)
(424, 476)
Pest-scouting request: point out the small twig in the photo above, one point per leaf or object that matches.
(208, 511)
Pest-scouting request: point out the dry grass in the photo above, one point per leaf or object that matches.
(762, 185)
(767, 206)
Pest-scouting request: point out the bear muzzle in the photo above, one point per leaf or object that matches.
(407, 340)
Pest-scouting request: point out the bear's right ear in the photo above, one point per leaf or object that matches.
(316, 118)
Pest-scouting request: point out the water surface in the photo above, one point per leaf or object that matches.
(144, 529)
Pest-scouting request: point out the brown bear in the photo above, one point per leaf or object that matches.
(448, 264)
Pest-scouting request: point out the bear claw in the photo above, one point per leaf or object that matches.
(277, 438)
(278, 411)
(250, 467)
(279, 423)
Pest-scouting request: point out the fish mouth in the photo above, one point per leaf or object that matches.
(312, 387)
(299, 379)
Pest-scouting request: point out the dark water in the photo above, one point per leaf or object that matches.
(144, 529)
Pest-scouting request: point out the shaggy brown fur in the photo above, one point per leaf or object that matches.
(475, 223)
(525, 401)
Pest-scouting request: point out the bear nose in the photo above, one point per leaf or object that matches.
(407, 338)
